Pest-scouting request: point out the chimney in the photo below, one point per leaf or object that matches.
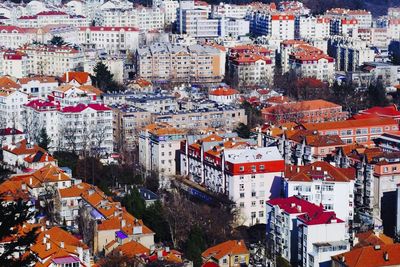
(67, 77)
(30, 180)
(377, 247)
(342, 258)
(23, 186)
(123, 223)
(298, 208)
(292, 205)
(48, 246)
(62, 244)
(386, 256)
(44, 240)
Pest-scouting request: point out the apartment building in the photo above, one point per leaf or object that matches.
(51, 17)
(159, 144)
(127, 122)
(310, 111)
(323, 184)
(362, 131)
(309, 61)
(349, 53)
(52, 60)
(38, 86)
(321, 236)
(11, 104)
(277, 25)
(216, 116)
(229, 10)
(287, 47)
(81, 128)
(14, 63)
(246, 174)
(250, 66)
(283, 231)
(179, 63)
(111, 39)
(309, 27)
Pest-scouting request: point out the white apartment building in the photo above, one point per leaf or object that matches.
(14, 63)
(320, 236)
(230, 10)
(287, 47)
(158, 147)
(149, 18)
(84, 128)
(247, 175)
(310, 27)
(322, 184)
(11, 105)
(170, 10)
(313, 65)
(282, 228)
(51, 18)
(196, 23)
(38, 86)
(112, 39)
(349, 53)
(250, 67)
(174, 62)
(277, 25)
(52, 60)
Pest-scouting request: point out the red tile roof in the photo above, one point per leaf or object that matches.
(230, 247)
(319, 170)
(323, 217)
(82, 107)
(79, 76)
(370, 256)
(224, 91)
(295, 205)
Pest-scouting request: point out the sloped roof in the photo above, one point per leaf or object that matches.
(231, 247)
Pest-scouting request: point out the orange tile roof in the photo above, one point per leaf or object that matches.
(350, 124)
(132, 249)
(317, 170)
(23, 148)
(370, 238)
(41, 79)
(79, 76)
(39, 156)
(75, 190)
(7, 83)
(231, 247)
(302, 106)
(91, 89)
(370, 256)
(224, 91)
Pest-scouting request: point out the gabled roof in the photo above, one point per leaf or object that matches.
(132, 249)
(7, 83)
(370, 238)
(370, 256)
(231, 247)
(322, 217)
(295, 205)
(79, 76)
(319, 170)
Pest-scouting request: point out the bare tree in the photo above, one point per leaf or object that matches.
(31, 125)
(69, 133)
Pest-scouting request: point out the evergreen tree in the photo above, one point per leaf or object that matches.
(243, 130)
(103, 78)
(12, 217)
(194, 246)
(134, 204)
(154, 217)
(44, 139)
(57, 41)
(377, 95)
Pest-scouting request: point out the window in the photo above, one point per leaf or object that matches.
(376, 130)
(253, 194)
(225, 261)
(236, 259)
(241, 195)
(346, 132)
(261, 202)
(241, 187)
(327, 187)
(253, 203)
(385, 169)
(262, 167)
(362, 131)
(261, 214)
(241, 204)
(241, 168)
(328, 206)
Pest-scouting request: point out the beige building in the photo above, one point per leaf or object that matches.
(128, 120)
(227, 117)
(180, 63)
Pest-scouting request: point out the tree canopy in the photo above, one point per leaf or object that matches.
(104, 79)
(57, 41)
(44, 139)
(13, 215)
